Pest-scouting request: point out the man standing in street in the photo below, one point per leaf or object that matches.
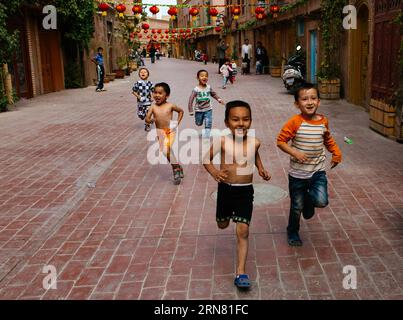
(221, 48)
(99, 61)
(247, 54)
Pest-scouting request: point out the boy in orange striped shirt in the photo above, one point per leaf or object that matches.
(310, 135)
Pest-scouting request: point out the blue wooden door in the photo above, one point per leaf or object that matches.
(313, 54)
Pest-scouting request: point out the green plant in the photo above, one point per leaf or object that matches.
(331, 31)
(122, 62)
(73, 78)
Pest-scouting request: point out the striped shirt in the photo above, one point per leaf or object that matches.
(310, 137)
(203, 99)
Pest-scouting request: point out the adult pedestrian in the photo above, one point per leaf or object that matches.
(152, 53)
(261, 57)
(221, 48)
(246, 52)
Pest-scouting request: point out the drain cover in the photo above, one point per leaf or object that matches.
(264, 194)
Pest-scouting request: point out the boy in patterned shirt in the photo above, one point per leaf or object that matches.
(143, 89)
(310, 135)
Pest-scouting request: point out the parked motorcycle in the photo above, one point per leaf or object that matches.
(294, 71)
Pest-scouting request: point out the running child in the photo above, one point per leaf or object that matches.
(143, 89)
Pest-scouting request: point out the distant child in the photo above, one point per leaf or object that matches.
(310, 135)
(143, 89)
(226, 72)
(161, 113)
(99, 62)
(204, 57)
(234, 71)
(202, 108)
(239, 154)
(244, 66)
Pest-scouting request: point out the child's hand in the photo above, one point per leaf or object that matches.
(221, 101)
(300, 156)
(220, 175)
(191, 114)
(265, 174)
(333, 164)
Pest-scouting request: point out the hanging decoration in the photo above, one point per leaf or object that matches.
(103, 7)
(236, 11)
(217, 29)
(213, 12)
(154, 10)
(121, 8)
(194, 12)
(145, 27)
(260, 14)
(173, 12)
(274, 10)
(137, 10)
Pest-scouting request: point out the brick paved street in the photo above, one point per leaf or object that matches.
(138, 236)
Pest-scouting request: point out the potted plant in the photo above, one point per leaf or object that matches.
(331, 27)
(275, 65)
(122, 65)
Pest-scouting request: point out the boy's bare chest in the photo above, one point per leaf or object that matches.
(163, 112)
(239, 153)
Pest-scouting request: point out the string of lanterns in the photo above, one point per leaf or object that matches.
(137, 9)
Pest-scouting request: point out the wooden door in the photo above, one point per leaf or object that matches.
(386, 48)
(359, 59)
(51, 61)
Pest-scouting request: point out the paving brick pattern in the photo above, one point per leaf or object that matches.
(137, 236)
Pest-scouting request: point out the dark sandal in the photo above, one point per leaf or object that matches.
(242, 281)
(294, 240)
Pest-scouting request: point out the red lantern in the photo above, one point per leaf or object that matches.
(103, 7)
(181, 31)
(166, 31)
(140, 36)
(155, 36)
(236, 11)
(137, 10)
(145, 27)
(217, 29)
(159, 31)
(173, 12)
(213, 12)
(188, 31)
(194, 12)
(120, 8)
(153, 31)
(259, 11)
(154, 10)
(274, 10)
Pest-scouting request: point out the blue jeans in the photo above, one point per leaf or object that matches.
(306, 194)
(206, 118)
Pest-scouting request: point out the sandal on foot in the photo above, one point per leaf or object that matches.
(294, 240)
(181, 172)
(242, 281)
(177, 176)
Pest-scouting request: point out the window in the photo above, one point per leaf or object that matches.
(300, 28)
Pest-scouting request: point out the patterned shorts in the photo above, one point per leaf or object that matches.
(142, 110)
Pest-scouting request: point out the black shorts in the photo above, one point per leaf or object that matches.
(234, 202)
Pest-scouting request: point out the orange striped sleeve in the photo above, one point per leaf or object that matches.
(331, 144)
(289, 130)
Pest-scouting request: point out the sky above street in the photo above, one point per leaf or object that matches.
(163, 10)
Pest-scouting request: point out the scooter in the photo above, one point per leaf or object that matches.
(294, 71)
